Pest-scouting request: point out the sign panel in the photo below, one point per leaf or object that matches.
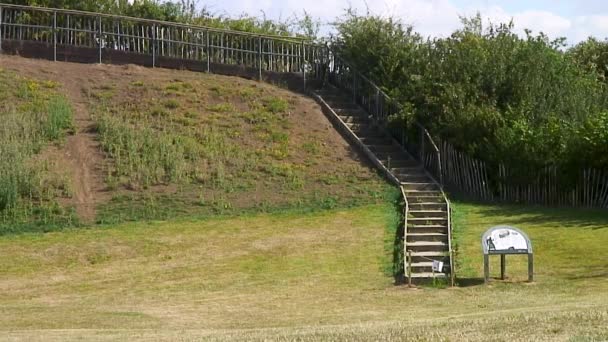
(505, 240)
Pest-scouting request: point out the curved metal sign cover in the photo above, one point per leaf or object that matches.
(505, 240)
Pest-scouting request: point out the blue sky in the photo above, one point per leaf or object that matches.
(574, 20)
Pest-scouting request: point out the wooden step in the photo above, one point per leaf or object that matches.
(427, 267)
(384, 148)
(426, 219)
(410, 169)
(353, 119)
(341, 105)
(430, 254)
(397, 162)
(428, 275)
(426, 228)
(351, 111)
(412, 178)
(426, 211)
(427, 205)
(425, 199)
(427, 246)
(414, 192)
(421, 186)
(415, 237)
(380, 140)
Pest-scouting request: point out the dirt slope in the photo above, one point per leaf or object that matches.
(322, 161)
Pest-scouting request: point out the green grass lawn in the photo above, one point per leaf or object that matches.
(315, 276)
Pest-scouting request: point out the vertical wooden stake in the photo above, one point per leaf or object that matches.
(503, 266)
(486, 268)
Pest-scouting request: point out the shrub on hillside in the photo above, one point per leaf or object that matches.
(496, 95)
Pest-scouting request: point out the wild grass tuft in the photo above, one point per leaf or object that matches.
(35, 117)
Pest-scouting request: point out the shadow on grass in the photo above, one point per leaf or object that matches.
(531, 214)
(398, 267)
(469, 282)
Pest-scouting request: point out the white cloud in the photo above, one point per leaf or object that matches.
(429, 17)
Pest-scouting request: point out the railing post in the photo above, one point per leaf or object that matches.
(100, 37)
(260, 58)
(377, 103)
(154, 45)
(303, 63)
(207, 47)
(452, 269)
(354, 86)
(440, 168)
(422, 147)
(55, 36)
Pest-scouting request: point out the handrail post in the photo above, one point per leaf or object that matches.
(303, 63)
(55, 36)
(207, 47)
(260, 58)
(440, 168)
(377, 103)
(154, 45)
(100, 37)
(422, 147)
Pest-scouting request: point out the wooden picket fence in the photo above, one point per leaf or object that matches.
(549, 186)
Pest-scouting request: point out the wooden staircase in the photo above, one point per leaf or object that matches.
(427, 210)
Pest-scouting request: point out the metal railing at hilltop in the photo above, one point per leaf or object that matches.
(108, 37)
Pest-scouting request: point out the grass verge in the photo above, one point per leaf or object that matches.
(314, 276)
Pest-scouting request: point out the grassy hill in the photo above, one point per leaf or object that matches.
(185, 206)
(140, 143)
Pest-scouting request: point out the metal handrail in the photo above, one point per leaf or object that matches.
(263, 52)
(153, 21)
(406, 212)
(425, 134)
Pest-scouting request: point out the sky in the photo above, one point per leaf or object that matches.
(575, 20)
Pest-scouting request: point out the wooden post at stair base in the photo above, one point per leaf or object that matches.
(452, 269)
(409, 268)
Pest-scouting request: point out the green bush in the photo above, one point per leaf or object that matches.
(496, 95)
